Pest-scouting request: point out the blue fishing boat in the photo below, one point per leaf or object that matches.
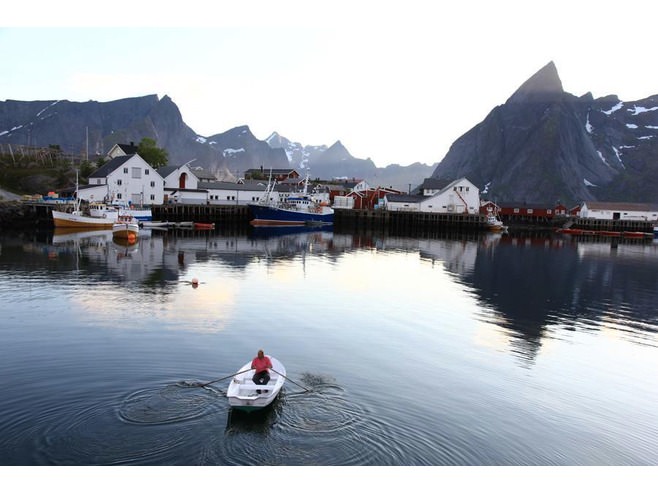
(297, 209)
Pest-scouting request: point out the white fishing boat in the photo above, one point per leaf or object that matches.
(126, 228)
(244, 394)
(79, 219)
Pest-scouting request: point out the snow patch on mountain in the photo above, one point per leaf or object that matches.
(588, 125)
(616, 107)
(639, 109)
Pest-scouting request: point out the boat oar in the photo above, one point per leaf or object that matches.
(290, 379)
(221, 379)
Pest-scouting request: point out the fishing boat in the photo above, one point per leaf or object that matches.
(139, 213)
(494, 224)
(243, 393)
(126, 228)
(297, 209)
(79, 219)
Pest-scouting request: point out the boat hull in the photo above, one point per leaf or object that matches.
(128, 231)
(68, 220)
(242, 392)
(264, 215)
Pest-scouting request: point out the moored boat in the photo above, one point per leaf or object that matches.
(243, 394)
(298, 209)
(494, 224)
(78, 219)
(204, 226)
(127, 229)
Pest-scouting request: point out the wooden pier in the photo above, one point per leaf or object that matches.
(215, 214)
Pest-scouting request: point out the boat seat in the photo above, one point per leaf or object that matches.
(253, 386)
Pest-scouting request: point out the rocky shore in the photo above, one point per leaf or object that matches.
(18, 214)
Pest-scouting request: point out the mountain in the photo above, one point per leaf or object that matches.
(92, 128)
(336, 162)
(545, 145)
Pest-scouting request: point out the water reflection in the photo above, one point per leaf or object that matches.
(531, 287)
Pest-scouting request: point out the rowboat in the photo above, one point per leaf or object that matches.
(243, 393)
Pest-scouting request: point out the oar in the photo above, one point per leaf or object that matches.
(221, 379)
(290, 379)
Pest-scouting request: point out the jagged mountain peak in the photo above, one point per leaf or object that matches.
(544, 86)
(545, 145)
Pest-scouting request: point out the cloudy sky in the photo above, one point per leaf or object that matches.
(394, 81)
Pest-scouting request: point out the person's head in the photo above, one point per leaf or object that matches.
(261, 354)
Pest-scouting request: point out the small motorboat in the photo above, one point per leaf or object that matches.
(126, 229)
(243, 394)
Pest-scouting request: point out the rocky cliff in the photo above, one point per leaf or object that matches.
(546, 145)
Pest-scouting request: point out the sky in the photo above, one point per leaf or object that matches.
(397, 82)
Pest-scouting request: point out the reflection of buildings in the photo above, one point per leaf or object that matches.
(526, 287)
(166, 255)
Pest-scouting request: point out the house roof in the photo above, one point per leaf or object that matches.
(128, 149)
(108, 168)
(534, 206)
(392, 197)
(435, 183)
(165, 171)
(228, 185)
(203, 174)
(629, 207)
(267, 171)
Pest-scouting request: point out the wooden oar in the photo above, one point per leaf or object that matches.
(221, 379)
(290, 380)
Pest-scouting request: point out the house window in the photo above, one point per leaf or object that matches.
(152, 184)
(516, 210)
(152, 198)
(119, 182)
(137, 173)
(530, 211)
(125, 170)
(549, 212)
(146, 171)
(119, 196)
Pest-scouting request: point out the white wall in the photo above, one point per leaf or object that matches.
(137, 182)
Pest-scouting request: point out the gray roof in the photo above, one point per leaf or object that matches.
(228, 185)
(630, 207)
(204, 174)
(392, 197)
(435, 184)
(165, 171)
(106, 169)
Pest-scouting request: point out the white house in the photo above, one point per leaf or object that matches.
(456, 197)
(119, 150)
(125, 179)
(403, 203)
(241, 193)
(619, 211)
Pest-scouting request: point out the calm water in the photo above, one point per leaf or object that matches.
(482, 350)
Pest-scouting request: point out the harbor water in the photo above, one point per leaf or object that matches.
(484, 349)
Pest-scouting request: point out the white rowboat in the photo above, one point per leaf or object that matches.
(242, 391)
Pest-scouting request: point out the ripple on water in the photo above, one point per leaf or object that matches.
(150, 426)
(173, 403)
(322, 426)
